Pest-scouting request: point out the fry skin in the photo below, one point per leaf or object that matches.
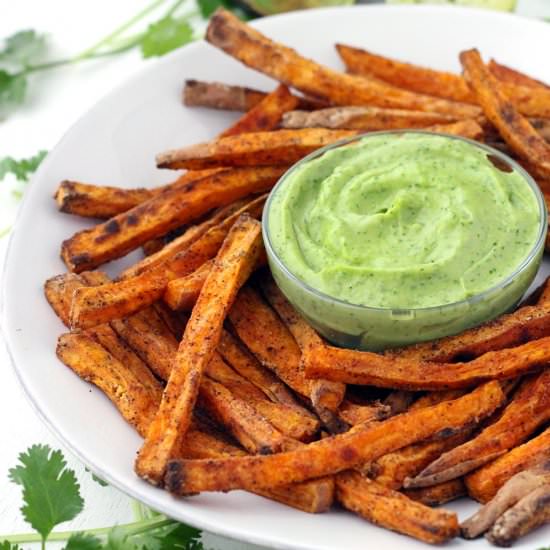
(360, 367)
(333, 454)
(252, 48)
(528, 409)
(515, 129)
(182, 293)
(353, 413)
(436, 495)
(513, 76)
(282, 147)
(467, 128)
(393, 510)
(484, 483)
(234, 263)
(115, 238)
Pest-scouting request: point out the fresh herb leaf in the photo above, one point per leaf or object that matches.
(175, 536)
(166, 35)
(119, 540)
(22, 47)
(97, 479)
(21, 168)
(50, 490)
(12, 90)
(208, 7)
(83, 541)
(7, 545)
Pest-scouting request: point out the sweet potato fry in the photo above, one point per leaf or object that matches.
(467, 128)
(361, 444)
(529, 101)
(266, 115)
(259, 327)
(125, 232)
(513, 76)
(325, 396)
(484, 483)
(527, 323)
(252, 48)
(116, 300)
(182, 293)
(405, 75)
(220, 96)
(436, 495)
(92, 362)
(513, 491)
(392, 510)
(528, 409)
(353, 413)
(282, 147)
(361, 367)
(515, 129)
(234, 263)
(249, 367)
(362, 118)
(399, 401)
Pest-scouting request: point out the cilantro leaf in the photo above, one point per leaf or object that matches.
(176, 536)
(7, 545)
(12, 90)
(21, 168)
(119, 540)
(82, 541)
(208, 7)
(22, 47)
(166, 35)
(51, 493)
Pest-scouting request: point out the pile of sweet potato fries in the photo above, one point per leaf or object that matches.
(231, 389)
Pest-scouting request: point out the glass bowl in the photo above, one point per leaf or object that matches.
(374, 328)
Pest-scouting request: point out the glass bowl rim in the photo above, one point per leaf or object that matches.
(525, 263)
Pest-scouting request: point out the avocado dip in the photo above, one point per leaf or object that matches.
(403, 220)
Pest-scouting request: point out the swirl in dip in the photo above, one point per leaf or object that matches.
(404, 221)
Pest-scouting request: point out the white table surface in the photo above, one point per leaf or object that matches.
(56, 99)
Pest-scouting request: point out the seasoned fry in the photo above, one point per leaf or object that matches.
(399, 401)
(92, 362)
(362, 444)
(325, 396)
(529, 101)
(259, 327)
(527, 323)
(115, 300)
(516, 130)
(393, 510)
(125, 232)
(283, 147)
(513, 76)
(530, 512)
(467, 128)
(436, 495)
(361, 367)
(220, 96)
(252, 48)
(513, 491)
(353, 413)
(528, 409)
(484, 483)
(266, 115)
(362, 118)
(249, 367)
(234, 263)
(182, 293)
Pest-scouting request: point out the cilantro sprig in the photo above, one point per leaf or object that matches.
(51, 496)
(21, 168)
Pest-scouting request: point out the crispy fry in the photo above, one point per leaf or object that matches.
(125, 232)
(514, 490)
(252, 48)
(362, 444)
(325, 396)
(259, 327)
(353, 413)
(233, 265)
(436, 495)
(362, 118)
(266, 115)
(393, 510)
(399, 401)
(361, 367)
(484, 483)
(116, 300)
(516, 130)
(529, 101)
(405, 75)
(92, 362)
(467, 128)
(530, 512)
(174, 321)
(513, 76)
(182, 293)
(283, 147)
(249, 367)
(527, 323)
(528, 409)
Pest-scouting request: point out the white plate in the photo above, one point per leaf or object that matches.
(115, 144)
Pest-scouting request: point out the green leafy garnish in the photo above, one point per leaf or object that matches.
(7, 545)
(21, 168)
(12, 90)
(176, 536)
(208, 7)
(22, 48)
(83, 541)
(51, 493)
(166, 35)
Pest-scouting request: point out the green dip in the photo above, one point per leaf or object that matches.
(404, 220)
